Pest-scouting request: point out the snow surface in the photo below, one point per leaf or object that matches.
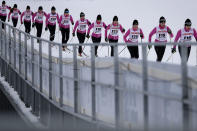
(26, 111)
(147, 12)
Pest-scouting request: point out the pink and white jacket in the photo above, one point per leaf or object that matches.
(65, 21)
(133, 34)
(80, 25)
(15, 13)
(185, 35)
(97, 29)
(161, 33)
(27, 16)
(3, 10)
(38, 17)
(52, 18)
(114, 31)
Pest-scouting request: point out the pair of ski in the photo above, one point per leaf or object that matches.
(69, 51)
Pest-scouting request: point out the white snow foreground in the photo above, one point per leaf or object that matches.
(24, 112)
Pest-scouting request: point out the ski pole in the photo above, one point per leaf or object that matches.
(122, 50)
(169, 57)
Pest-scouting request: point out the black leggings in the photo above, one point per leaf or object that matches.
(160, 50)
(39, 29)
(96, 40)
(14, 21)
(133, 50)
(112, 48)
(3, 18)
(27, 26)
(52, 29)
(188, 52)
(65, 35)
(81, 38)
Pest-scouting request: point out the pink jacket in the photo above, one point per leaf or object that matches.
(65, 26)
(35, 18)
(15, 14)
(3, 9)
(128, 33)
(28, 15)
(178, 35)
(110, 36)
(48, 19)
(94, 34)
(154, 31)
(77, 24)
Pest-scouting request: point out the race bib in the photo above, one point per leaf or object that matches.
(114, 32)
(82, 27)
(161, 36)
(97, 30)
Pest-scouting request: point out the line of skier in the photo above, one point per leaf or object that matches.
(83, 27)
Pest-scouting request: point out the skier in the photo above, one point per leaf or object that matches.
(80, 25)
(3, 12)
(51, 22)
(161, 36)
(185, 35)
(15, 13)
(97, 31)
(37, 21)
(133, 34)
(64, 22)
(114, 33)
(27, 19)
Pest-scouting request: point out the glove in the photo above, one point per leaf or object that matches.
(169, 32)
(8, 20)
(149, 47)
(141, 35)
(173, 50)
(106, 39)
(123, 30)
(60, 28)
(73, 34)
(21, 23)
(46, 28)
(88, 36)
(72, 23)
(33, 25)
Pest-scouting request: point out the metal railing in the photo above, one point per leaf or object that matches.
(24, 64)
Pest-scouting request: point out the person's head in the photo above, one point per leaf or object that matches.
(135, 24)
(162, 21)
(3, 3)
(99, 18)
(28, 8)
(82, 16)
(53, 10)
(40, 9)
(188, 24)
(66, 12)
(15, 6)
(115, 20)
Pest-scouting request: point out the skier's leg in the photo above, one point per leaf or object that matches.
(67, 35)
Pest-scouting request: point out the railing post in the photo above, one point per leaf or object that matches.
(20, 58)
(185, 88)
(60, 76)
(40, 65)
(9, 51)
(75, 71)
(15, 48)
(118, 108)
(145, 84)
(32, 61)
(50, 71)
(9, 41)
(93, 82)
(25, 56)
(1, 40)
(5, 42)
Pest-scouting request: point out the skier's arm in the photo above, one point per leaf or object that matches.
(90, 27)
(104, 25)
(45, 14)
(22, 17)
(9, 15)
(141, 34)
(126, 35)
(33, 17)
(108, 27)
(195, 34)
(32, 13)
(8, 7)
(170, 32)
(178, 35)
(47, 18)
(89, 23)
(19, 12)
(71, 19)
(122, 29)
(58, 19)
(76, 24)
(151, 34)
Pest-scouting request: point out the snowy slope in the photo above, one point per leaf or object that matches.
(146, 11)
